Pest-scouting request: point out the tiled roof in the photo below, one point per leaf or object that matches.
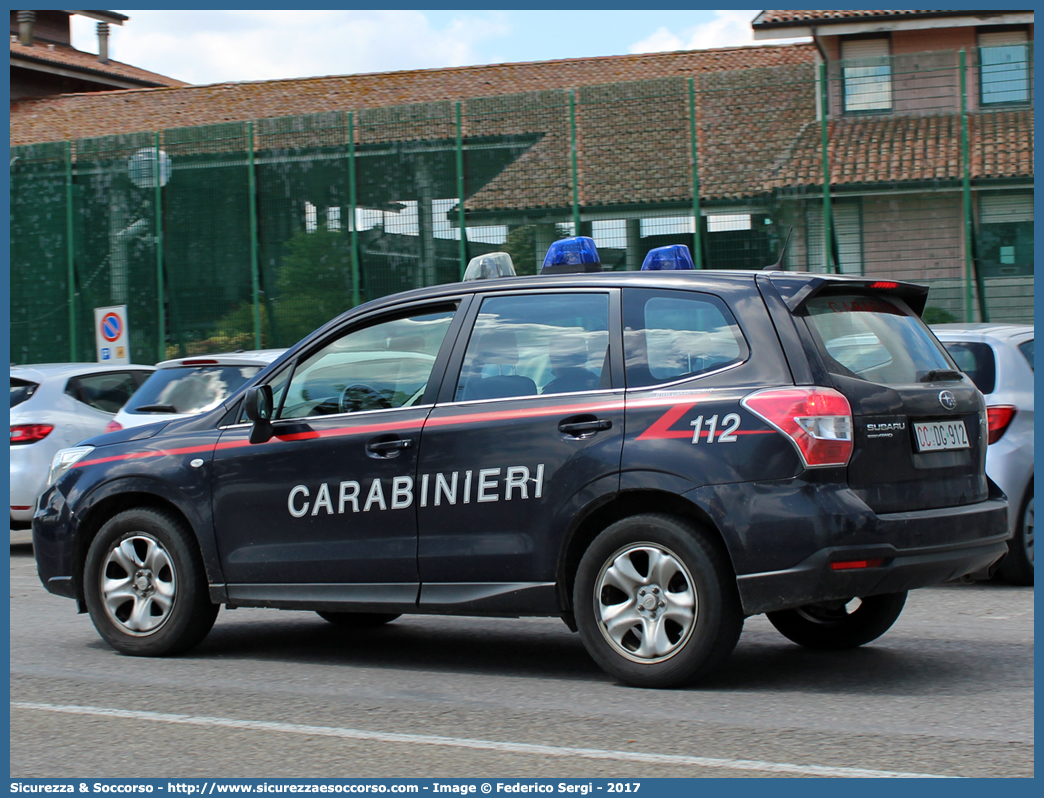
(773, 19)
(899, 149)
(104, 113)
(61, 55)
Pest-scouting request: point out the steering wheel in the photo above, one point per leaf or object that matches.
(359, 396)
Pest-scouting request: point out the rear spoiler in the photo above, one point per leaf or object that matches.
(796, 290)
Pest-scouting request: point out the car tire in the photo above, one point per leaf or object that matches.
(1017, 566)
(358, 620)
(830, 626)
(655, 602)
(145, 585)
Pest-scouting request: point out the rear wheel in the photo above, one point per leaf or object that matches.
(841, 624)
(1017, 567)
(145, 585)
(357, 620)
(655, 602)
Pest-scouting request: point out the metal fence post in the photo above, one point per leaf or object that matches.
(460, 194)
(697, 243)
(161, 346)
(255, 266)
(828, 216)
(576, 171)
(70, 251)
(351, 209)
(970, 271)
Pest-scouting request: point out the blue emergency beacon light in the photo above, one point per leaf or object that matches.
(572, 256)
(676, 257)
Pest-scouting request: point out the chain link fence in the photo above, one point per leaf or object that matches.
(251, 234)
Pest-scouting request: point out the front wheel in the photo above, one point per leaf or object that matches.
(841, 624)
(655, 602)
(145, 585)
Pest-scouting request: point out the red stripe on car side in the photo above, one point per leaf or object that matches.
(463, 418)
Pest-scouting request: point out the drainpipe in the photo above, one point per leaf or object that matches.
(103, 42)
(25, 27)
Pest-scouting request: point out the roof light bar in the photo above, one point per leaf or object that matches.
(575, 255)
(489, 266)
(675, 257)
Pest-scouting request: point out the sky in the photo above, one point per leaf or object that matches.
(218, 46)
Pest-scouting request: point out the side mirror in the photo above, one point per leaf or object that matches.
(258, 407)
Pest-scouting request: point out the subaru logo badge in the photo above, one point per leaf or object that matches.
(947, 400)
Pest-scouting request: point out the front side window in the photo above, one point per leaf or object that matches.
(537, 345)
(873, 339)
(675, 335)
(106, 392)
(382, 366)
(866, 75)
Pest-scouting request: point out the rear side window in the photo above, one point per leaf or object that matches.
(21, 390)
(977, 361)
(874, 339)
(107, 392)
(537, 345)
(675, 335)
(1027, 352)
(189, 389)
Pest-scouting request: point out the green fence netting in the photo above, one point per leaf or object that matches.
(251, 234)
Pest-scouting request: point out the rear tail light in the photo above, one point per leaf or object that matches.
(817, 420)
(998, 418)
(29, 433)
(113, 426)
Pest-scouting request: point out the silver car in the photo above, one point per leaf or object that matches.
(190, 385)
(54, 406)
(999, 359)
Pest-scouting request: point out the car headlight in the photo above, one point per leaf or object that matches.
(64, 459)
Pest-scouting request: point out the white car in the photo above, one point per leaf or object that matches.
(999, 359)
(190, 385)
(54, 406)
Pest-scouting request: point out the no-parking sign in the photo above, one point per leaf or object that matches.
(110, 335)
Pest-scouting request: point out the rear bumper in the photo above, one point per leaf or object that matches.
(902, 568)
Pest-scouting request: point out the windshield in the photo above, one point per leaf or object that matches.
(874, 339)
(21, 390)
(189, 389)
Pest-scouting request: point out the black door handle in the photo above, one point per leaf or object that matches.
(579, 428)
(386, 448)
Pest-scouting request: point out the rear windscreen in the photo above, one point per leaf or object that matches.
(874, 339)
(191, 389)
(21, 390)
(975, 360)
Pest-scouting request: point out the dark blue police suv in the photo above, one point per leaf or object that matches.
(652, 456)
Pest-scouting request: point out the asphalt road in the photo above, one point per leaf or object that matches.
(948, 691)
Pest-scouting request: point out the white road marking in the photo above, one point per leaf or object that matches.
(747, 765)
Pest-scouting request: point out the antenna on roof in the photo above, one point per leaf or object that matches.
(778, 265)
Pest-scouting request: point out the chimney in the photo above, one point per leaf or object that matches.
(25, 27)
(103, 42)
